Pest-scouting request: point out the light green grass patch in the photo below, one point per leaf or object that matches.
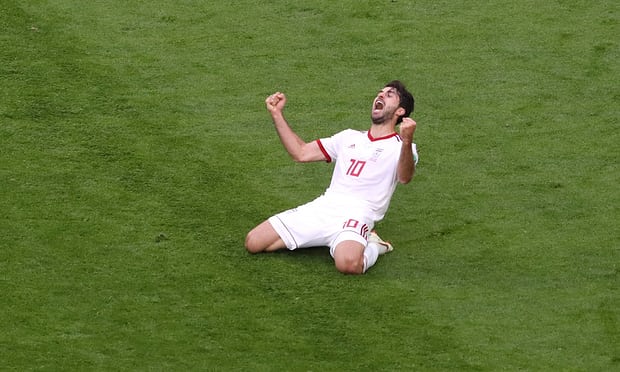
(135, 154)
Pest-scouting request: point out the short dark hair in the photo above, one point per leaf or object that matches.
(406, 98)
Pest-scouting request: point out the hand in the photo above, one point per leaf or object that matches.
(275, 102)
(407, 128)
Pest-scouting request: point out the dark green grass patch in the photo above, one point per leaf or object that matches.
(135, 154)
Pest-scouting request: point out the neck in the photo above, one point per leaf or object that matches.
(382, 130)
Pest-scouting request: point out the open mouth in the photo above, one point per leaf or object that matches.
(379, 104)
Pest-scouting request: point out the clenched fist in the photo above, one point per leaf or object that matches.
(275, 102)
(407, 128)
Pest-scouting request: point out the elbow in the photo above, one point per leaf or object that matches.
(297, 158)
(301, 157)
(404, 180)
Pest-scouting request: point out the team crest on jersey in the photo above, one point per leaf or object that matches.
(376, 154)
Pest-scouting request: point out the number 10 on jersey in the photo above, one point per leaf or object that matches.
(355, 168)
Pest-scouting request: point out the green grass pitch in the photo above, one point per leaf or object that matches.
(136, 152)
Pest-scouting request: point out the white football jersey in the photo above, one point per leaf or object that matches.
(365, 169)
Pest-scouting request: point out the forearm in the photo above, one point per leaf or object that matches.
(406, 163)
(291, 141)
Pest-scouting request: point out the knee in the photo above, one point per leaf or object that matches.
(252, 243)
(263, 238)
(350, 265)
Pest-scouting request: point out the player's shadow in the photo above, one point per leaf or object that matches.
(314, 254)
(312, 251)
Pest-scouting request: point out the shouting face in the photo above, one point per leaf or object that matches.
(385, 106)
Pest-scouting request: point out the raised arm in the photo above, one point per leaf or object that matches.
(406, 162)
(297, 148)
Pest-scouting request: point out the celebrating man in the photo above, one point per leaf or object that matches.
(369, 164)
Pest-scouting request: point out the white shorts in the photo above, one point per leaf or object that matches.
(322, 222)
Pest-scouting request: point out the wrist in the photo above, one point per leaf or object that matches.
(276, 114)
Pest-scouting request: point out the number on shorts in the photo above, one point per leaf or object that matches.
(353, 224)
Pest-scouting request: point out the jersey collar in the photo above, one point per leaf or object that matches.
(372, 139)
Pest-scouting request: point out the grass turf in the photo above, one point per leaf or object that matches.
(135, 153)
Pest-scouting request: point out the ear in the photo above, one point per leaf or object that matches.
(400, 112)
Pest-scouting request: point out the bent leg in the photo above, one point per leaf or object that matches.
(349, 257)
(263, 238)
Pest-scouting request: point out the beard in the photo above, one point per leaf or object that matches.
(381, 118)
(378, 121)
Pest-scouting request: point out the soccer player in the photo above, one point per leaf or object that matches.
(369, 164)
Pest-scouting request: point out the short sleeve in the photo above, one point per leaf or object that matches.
(330, 146)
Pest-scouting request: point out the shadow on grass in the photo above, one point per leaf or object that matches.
(305, 252)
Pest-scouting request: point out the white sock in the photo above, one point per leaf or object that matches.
(371, 253)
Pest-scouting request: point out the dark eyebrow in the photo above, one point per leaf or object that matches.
(390, 90)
